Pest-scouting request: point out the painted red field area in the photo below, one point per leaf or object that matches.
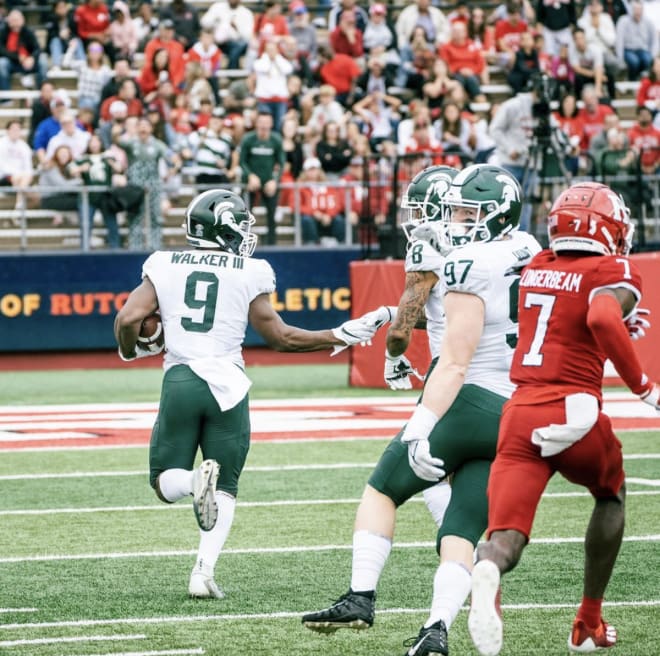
(103, 425)
(254, 356)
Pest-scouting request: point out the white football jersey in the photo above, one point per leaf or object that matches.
(491, 270)
(204, 297)
(421, 256)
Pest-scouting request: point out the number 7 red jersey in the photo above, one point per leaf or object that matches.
(556, 354)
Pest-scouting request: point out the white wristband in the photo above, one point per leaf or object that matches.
(421, 424)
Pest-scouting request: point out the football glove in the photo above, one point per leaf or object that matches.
(637, 324)
(397, 372)
(415, 434)
(362, 329)
(423, 463)
(652, 397)
(429, 233)
(142, 352)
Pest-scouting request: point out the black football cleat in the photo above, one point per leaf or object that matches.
(354, 610)
(431, 641)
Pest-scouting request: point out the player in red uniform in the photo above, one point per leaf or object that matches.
(577, 307)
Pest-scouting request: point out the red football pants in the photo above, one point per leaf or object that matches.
(519, 474)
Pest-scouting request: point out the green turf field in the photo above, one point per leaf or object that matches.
(96, 565)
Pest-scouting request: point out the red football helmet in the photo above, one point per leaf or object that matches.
(589, 216)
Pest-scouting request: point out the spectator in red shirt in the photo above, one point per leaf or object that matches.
(339, 71)
(154, 72)
(19, 51)
(127, 93)
(92, 20)
(507, 34)
(270, 25)
(346, 39)
(482, 33)
(209, 56)
(465, 61)
(569, 123)
(165, 40)
(592, 115)
(424, 143)
(545, 59)
(321, 206)
(645, 140)
(460, 13)
(648, 93)
(369, 201)
(562, 71)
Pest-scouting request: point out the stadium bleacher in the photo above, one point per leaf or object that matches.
(32, 228)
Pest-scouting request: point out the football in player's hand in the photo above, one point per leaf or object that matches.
(151, 331)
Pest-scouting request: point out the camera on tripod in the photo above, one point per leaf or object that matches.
(543, 88)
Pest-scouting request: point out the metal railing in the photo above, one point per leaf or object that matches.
(378, 188)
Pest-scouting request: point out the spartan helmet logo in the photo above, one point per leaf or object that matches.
(439, 184)
(509, 190)
(221, 217)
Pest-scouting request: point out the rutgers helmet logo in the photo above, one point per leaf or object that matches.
(619, 211)
(590, 217)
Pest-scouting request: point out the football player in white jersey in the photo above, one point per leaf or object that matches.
(454, 428)
(420, 305)
(206, 297)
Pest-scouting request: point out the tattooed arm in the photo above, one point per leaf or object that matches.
(411, 310)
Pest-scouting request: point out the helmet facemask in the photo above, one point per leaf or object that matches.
(483, 204)
(423, 197)
(236, 235)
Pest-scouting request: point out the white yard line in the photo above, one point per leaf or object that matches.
(394, 400)
(159, 652)
(644, 481)
(175, 619)
(256, 468)
(275, 550)
(279, 440)
(18, 610)
(52, 641)
(265, 468)
(278, 503)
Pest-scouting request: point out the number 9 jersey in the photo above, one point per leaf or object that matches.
(557, 355)
(204, 298)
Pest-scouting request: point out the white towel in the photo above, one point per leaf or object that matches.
(581, 416)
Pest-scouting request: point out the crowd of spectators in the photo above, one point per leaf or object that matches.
(325, 102)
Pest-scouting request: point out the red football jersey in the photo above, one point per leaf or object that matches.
(556, 354)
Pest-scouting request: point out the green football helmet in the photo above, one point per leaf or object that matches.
(219, 218)
(483, 204)
(423, 195)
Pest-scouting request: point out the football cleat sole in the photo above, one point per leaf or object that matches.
(331, 627)
(205, 478)
(484, 620)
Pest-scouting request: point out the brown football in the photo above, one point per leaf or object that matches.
(151, 331)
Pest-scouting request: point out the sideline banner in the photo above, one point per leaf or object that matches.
(375, 283)
(51, 302)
